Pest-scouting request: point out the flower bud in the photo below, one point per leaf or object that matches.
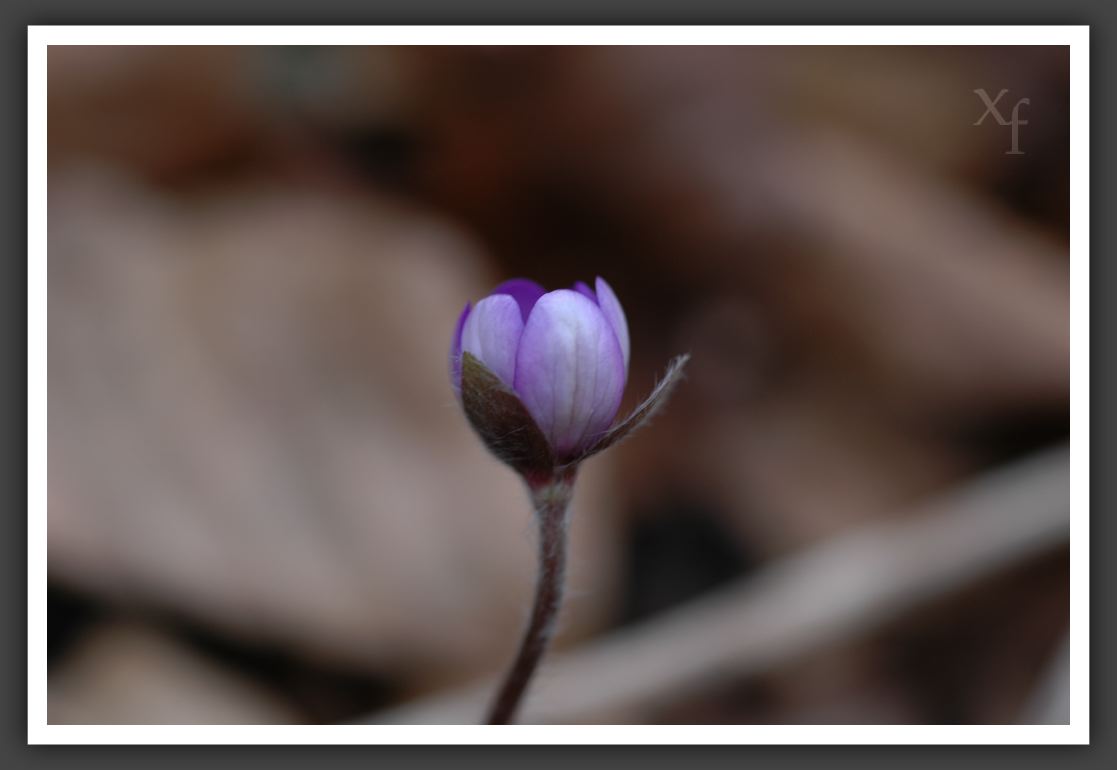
(541, 374)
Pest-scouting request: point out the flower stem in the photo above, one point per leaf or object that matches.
(551, 499)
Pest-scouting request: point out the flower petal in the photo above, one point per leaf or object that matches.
(614, 314)
(492, 334)
(525, 292)
(570, 370)
(582, 288)
(456, 350)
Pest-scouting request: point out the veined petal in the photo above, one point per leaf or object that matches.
(570, 371)
(492, 334)
(456, 350)
(525, 292)
(614, 314)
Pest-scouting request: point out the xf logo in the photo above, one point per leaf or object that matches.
(1016, 122)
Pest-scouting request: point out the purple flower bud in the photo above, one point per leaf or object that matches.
(564, 354)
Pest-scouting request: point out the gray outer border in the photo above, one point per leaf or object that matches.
(19, 13)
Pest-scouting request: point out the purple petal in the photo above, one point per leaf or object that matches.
(570, 370)
(492, 333)
(525, 292)
(456, 350)
(580, 287)
(614, 314)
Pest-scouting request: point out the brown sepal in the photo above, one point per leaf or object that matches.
(643, 413)
(502, 421)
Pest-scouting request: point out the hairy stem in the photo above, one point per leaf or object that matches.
(551, 499)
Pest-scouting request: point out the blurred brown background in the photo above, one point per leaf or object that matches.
(267, 507)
